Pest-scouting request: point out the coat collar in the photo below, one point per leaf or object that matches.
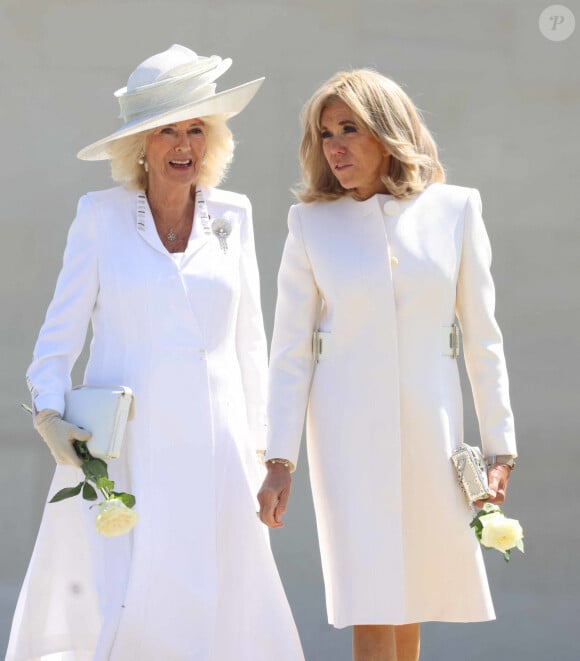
(386, 205)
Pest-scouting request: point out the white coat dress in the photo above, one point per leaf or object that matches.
(195, 580)
(384, 406)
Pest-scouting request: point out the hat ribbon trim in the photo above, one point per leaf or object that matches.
(131, 111)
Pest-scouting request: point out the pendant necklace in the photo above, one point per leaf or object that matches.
(171, 236)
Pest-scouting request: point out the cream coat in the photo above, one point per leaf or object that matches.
(196, 580)
(384, 403)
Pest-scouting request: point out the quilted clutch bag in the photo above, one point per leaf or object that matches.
(471, 472)
(104, 411)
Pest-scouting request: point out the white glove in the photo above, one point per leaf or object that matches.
(59, 436)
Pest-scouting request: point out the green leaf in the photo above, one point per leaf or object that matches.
(128, 499)
(88, 492)
(506, 556)
(68, 492)
(94, 469)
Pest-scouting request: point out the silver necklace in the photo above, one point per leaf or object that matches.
(171, 236)
(203, 217)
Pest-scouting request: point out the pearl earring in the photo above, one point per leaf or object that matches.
(143, 162)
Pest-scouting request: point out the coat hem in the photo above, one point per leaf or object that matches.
(395, 622)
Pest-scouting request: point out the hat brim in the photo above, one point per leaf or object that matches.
(229, 102)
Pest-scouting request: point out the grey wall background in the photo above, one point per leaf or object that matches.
(503, 102)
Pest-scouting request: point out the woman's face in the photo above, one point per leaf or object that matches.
(357, 159)
(174, 153)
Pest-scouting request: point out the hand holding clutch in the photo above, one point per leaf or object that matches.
(498, 477)
(59, 436)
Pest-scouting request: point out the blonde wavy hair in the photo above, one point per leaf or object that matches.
(219, 153)
(382, 107)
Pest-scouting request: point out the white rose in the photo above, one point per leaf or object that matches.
(500, 532)
(115, 518)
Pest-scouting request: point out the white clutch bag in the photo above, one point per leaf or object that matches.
(471, 471)
(104, 411)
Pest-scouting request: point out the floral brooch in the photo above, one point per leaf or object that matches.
(222, 228)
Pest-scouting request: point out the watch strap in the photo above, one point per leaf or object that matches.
(502, 459)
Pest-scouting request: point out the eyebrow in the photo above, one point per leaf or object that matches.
(195, 122)
(341, 123)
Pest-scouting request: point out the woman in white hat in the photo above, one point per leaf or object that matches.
(381, 258)
(164, 269)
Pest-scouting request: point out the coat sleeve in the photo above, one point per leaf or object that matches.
(63, 333)
(251, 345)
(291, 360)
(482, 339)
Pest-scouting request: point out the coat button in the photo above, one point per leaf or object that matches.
(394, 262)
(391, 208)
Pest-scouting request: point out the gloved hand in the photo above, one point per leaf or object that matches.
(59, 436)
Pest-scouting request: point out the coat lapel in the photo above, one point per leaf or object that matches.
(145, 224)
(200, 233)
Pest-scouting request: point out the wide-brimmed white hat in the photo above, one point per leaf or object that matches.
(169, 87)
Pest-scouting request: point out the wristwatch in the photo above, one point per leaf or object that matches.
(502, 459)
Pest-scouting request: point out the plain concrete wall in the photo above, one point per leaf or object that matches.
(503, 102)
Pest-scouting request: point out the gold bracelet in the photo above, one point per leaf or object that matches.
(285, 462)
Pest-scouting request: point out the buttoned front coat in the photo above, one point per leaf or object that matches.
(383, 280)
(195, 580)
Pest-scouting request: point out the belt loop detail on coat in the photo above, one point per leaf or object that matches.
(321, 345)
(450, 341)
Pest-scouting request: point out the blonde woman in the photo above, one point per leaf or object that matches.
(164, 269)
(381, 259)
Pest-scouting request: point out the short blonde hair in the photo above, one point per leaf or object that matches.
(382, 107)
(219, 153)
